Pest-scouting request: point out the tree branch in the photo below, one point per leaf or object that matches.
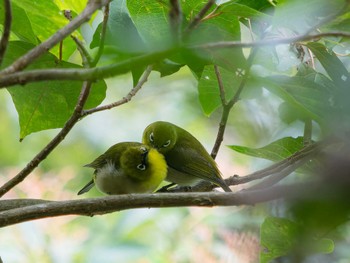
(90, 74)
(36, 52)
(6, 30)
(102, 205)
(127, 98)
(267, 42)
(227, 106)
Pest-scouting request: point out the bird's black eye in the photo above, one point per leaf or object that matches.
(167, 143)
(141, 167)
(151, 137)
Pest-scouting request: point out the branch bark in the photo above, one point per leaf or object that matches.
(7, 29)
(103, 205)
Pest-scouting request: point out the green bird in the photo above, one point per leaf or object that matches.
(127, 167)
(188, 161)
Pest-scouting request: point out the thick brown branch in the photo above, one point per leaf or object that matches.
(103, 205)
(36, 52)
(6, 30)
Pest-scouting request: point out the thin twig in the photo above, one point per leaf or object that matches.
(227, 106)
(197, 19)
(127, 98)
(267, 42)
(52, 144)
(36, 52)
(6, 30)
(86, 57)
(221, 85)
(102, 36)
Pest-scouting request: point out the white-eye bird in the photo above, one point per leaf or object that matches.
(127, 167)
(188, 161)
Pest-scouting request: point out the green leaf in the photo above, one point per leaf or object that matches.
(275, 151)
(331, 63)
(49, 104)
(300, 17)
(220, 26)
(121, 33)
(74, 5)
(151, 20)
(21, 25)
(308, 98)
(208, 88)
(46, 19)
(282, 237)
(278, 236)
(240, 10)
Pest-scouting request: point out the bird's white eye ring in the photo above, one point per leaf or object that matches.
(143, 149)
(151, 137)
(167, 143)
(141, 167)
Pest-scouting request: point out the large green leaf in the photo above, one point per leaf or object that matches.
(121, 33)
(21, 25)
(275, 151)
(220, 26)
(48, 104)
(208, 88)
(46, 19)
(305, 96)
(280, 237)
(151, 21)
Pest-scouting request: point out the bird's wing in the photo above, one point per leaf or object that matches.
(188, 160)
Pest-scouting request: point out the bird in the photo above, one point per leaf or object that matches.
(188, 161)
(127, 167)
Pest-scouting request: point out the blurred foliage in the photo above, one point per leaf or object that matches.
(289, 86)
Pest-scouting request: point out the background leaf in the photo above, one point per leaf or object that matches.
(275, 151)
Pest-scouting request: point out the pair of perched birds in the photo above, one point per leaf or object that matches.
(167, 152)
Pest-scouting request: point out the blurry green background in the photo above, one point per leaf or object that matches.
(142, 235)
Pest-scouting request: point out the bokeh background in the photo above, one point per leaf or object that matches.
(142, 235)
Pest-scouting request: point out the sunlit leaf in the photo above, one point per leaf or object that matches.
(21, 25)
(275, 151)
(46, 19)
